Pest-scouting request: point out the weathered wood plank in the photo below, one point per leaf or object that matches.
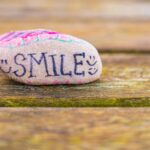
(125, 82)
(90, 128)
(75, 10)
(106, 36)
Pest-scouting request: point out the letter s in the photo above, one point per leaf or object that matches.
(23, 72)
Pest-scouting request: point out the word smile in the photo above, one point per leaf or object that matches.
(50, 65)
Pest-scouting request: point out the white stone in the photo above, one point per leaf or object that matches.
(42, 57)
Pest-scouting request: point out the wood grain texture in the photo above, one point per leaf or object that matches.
(106, 36)
(113, 128)
(125, 82)
(112, 26)
(75, 10)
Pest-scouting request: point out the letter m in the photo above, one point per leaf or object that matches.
(34, 61)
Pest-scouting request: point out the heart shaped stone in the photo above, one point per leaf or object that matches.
(43, 57)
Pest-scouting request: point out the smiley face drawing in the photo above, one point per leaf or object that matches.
(93, 67)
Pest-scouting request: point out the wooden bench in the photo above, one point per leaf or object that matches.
(121, 32)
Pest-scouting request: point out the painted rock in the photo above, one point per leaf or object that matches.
(43, 57)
